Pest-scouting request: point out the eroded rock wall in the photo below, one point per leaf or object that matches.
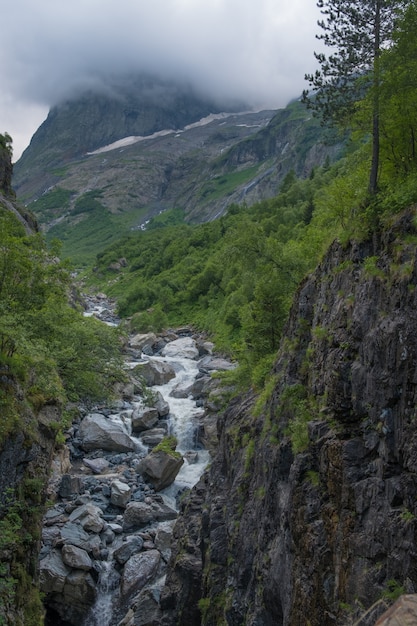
(308, 512)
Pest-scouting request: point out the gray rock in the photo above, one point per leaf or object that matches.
(140, 514)
(52, 573)
(161, 405)
(116, 528)
(69, 486)
(402, 613)
(155, 372)
(78, 596)
(98, 466)
(138, 571)
(50, 534)
(139, 342)
(133, 545)
(144, 419)
(191, 456)
(74, 534)
(184, 347)
(205, 347)
(160, 468)
(76, 558)
(153, 436)
(163, 539)
(107, 536)
(96, 432)
(181, 390)
(146, 610)
(120, 493)
(200, 387)
(89, 516)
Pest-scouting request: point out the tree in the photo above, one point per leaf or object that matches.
(357, 31)
(399, 97)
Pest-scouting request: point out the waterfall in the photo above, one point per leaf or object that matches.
(102, 612)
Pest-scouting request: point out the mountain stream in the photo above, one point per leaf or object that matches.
(93, 561)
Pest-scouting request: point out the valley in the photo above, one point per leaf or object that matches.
(285, 266)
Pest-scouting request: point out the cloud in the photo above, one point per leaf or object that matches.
(258, 51)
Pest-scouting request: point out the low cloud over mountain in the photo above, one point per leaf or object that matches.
(256, 52)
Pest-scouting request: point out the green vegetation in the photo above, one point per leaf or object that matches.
(47, 347)
(393, 590)
(49, 354)
(50, 204)
(297, 409)
(94, 226)
(221, 186)
(168, 445)
(357, 33)
(6, 143)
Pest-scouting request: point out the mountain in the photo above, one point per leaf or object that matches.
(104, 163)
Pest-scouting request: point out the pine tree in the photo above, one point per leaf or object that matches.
(356, 31)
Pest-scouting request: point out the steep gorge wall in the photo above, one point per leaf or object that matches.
(308, 512)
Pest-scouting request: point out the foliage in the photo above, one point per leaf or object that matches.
(6, 143)
(356, 32)
(393, 590)
(48, 347)
(168, 445)
(296, 408)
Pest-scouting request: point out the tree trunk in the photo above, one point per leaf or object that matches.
(373, 179)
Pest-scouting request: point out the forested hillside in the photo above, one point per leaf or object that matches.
(235, 276)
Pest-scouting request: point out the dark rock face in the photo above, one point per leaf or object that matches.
(25, 462)
(308, 513)
(6, 170)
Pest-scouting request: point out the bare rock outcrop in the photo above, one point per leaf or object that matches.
(310, 510)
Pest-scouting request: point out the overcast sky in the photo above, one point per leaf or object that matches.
(253, 49)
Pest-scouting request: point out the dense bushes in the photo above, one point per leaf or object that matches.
(46, 346)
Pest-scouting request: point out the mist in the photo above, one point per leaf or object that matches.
(227, 49)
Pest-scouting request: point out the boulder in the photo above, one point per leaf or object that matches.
(144, 419)
(78, 596)
(52, 573)
(74, 534)
(69, 486)
(160, 468)
(191, 457)
(163, 540)
(153, 436)
(76, 558)
(155, 372)
(138, 571)
(212, 364)
(98, 433)
(89, 516)
(97, 466)
(184, 347)
(120, 493)
(205, 347)
(131, 546)
(161, 405)
(402, 613)
(140, 514)
(200, 387)
(139, 342)
(146, 610)
(182, 390)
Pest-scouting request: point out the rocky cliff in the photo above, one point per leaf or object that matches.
(27, 444)
(308, 512)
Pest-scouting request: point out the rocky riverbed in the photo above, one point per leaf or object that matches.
(116, 484)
